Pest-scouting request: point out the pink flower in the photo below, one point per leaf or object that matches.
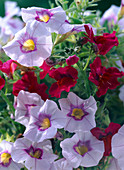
(2, 82)
(71, 60)
(104, 43)
(29, 83)
(66, 78)
(8, 67)
(104, 78)
(106, 136)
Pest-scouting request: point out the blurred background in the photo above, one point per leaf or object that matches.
(102, 5)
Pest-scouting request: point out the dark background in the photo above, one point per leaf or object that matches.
(102, 5)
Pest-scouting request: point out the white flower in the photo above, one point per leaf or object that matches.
(6, 161)
(53, 19)
(35, 155)
(83, 149)
(118, 147)
(25, 101)
(31, 46)
(80, 113)
(44, 122)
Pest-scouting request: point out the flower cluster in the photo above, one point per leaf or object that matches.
(65, 76)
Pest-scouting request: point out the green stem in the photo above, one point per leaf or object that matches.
(5, 98)
(87, 63)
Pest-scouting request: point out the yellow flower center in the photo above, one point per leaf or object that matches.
(5, 157)
(81, 149)
(29, 45)
(36, 154)
(45, 124)
(45, 18)
(77, 113)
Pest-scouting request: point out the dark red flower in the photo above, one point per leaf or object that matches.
(29, 83)
(66, 78)
(8, 67)
(104, 43)
(106, 135)
(2, 82)
(71, 60)
(45, 68)
(104, 78)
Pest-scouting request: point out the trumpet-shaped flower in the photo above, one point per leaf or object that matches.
(8, 67)
(2, 82)
(29, 83)
(44, 122)
(118, 147)
(104, 43)
(31, 46)
(83, 149)
(111, 15)
(106, 136)
(121, 94)
(104, 78)
(53, 19)
(66, 78)
(113, 165)
(11, 9)
(71, 60)
(35, 155)
(6, 161)
(25, 101)
(61, 164)
(80, 113)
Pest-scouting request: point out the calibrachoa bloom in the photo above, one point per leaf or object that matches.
(113, 165)
(29, 83)
(80, 113)
(44, 122)
(104, 43)
(71, 60)
(111, 15)
(2, 82)
(53, 19)
(66, 78)
(61, 164)
(6, 161)
(35, 155)
(83, 149)
(25, 101)
(45, 68)
(30, 46)
(118, 147)
(121, 94)
(106, 136)
(8, 67)
(104, 78)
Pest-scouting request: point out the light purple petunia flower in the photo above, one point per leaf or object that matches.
(6, 161)
(83, 149)
(113, 165)
(118, 147)
(53, 19)
(35, 155)
(61, 164)
(80, 113)
(44, 122)
(121, 94)
(25, 101)
(11, 9)
(110, 15)
(31, 46)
